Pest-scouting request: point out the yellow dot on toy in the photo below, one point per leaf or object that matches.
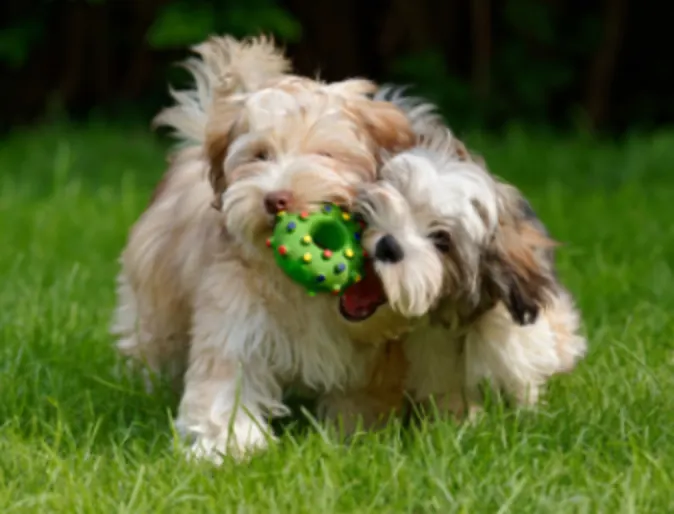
(307, 257)
(306, 239)
(357, 278)
(346, 216)
(348, 253)
(280, 214)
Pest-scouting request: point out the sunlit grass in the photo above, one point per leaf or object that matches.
(78, 435)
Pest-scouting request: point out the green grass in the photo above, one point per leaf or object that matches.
(76, 435)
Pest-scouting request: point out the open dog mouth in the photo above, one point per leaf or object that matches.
(361, 300)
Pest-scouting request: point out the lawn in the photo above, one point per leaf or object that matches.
(77, 435)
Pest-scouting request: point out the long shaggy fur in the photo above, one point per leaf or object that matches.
(199, 292)
(224, 66)
(476, 264)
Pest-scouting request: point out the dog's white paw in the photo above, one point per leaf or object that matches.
(527, 396)
(245, 438)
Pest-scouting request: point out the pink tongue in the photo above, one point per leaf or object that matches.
(362, 299)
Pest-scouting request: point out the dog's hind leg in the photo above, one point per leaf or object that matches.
(230, 385)
(520, 359)
(517, 359)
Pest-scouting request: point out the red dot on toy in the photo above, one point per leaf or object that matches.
(327, 254)
(282, 250)
(268, 242)
(304, 215)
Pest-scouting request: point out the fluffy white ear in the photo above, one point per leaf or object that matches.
(518, 269)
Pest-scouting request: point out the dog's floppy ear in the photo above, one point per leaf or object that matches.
(220, 129)
(387, 125)
(518, 268)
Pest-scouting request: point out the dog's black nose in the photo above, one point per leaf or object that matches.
(388, 250)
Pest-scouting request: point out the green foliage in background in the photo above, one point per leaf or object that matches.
(183, 23)
(536, 60)
(178, 24)
(543, 60)
(18, 39)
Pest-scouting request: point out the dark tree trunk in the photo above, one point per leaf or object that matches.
(482, 32)
(603, 64)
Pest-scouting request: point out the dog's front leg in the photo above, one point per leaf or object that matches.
(219, 412)
(229, 386)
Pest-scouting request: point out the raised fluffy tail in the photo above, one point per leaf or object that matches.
(224, 66)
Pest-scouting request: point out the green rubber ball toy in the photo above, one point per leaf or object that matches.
(321, 250)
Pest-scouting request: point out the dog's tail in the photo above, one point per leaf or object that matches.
(224, 66)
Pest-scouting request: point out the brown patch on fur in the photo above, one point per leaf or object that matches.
(520, 245)
(387, 125)
(517, 271)
(219, 135)
(461, 151)
(516, 278)
(387, 378)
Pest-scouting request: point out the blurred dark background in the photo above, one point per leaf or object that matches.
(570, 64)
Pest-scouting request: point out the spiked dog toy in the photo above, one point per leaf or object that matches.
(320, 250)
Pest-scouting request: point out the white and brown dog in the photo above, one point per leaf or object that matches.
(199, 293)
(453, 244)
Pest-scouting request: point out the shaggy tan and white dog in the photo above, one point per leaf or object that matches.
(198, 287)
(465, 252)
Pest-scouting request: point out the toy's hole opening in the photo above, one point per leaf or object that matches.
(328, 235)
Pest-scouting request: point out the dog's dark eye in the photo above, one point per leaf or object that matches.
(325, 154)
(441, 240)
(261, 155)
